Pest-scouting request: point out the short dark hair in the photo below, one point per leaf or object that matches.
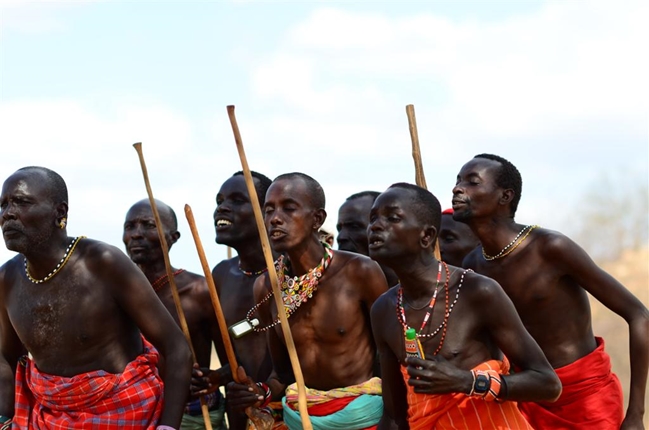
(508, 177)
(58, 191)
(262, 185)
(372, 194)
(316, 193)
(427, 207)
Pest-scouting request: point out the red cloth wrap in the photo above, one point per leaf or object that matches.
(129, 400)
(591, 397)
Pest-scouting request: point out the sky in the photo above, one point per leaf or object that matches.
(557, 87)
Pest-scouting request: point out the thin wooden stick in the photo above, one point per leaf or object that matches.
(420, 179)
(216, 303)
(170, 276)
(272, 274)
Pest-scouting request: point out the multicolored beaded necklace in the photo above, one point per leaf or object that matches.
(162, 281)
(401, 314)
(295, 290)
(255, 274)
(64, 260)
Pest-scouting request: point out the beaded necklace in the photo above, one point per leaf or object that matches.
(64, 260)
(401, 314)
(255, 274)
(162, 280)
(295, 290)
(513, 244)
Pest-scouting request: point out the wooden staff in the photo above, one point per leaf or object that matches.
(170, 276)
(420, 179)
(261, 421)
(272, 274)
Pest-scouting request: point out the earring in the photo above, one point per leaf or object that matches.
(63, 223)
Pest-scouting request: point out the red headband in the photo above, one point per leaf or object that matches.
(448, 211)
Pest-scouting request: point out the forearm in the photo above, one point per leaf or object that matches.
(177, 371)
(277, 387)
(6, 390)
(639, 359)
(530, 386)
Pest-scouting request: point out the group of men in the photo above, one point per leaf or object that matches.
(495, 335)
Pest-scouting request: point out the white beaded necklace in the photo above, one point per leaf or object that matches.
(509, 245)
(66, 257)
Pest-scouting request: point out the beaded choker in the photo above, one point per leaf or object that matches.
(255, 274)
(511, 246)
(401, 314)
(64, 260)
(162, 281)
(295, 290)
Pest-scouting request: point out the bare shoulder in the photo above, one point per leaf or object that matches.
(357, 263)
(223, 268)
(8, 271)
(100, 255)
(385, 302)
(476, 287)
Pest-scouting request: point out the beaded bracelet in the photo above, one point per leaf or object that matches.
(494, 387)
(5, 422)
(267, 394)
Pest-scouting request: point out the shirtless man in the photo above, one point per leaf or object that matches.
(461, 322)
(142, 244)
(353, 218)
(330, 297)
(548, 276)
(456, 240)
(80, 308)
(235, 225)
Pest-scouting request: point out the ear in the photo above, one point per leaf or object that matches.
(319, 217)
(61, 211)
(173, 238)
(506, 197)
(428, 236)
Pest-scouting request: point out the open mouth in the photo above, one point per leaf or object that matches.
(277, 234)
(375, 242)
(222, 223)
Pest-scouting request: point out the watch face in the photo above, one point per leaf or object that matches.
(481, 385)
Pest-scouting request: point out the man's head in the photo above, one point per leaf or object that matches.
(234, 219)
(33, 208)
(404, 222)
(353, 218)
(140, 234)
(294, 210)
(486, 185)
(456, 239)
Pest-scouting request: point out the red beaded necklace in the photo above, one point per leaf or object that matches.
(162, 281)
(401, 314)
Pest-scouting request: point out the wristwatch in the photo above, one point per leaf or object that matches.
(481, 384)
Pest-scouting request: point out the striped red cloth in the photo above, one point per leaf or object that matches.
(131, 400)
(591, 397)
(461, 412)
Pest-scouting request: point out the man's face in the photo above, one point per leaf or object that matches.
(456, 240)
(28, 216)
(353, 218)
(475, 192)
(234, 219)
(288, 213)
(394, 230)
(141, 235)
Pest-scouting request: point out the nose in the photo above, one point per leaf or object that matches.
(375, 225)
(221, 208)
(457, 189)
(7, 212)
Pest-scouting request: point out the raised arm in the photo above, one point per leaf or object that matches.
(576, 263)
(135, 296)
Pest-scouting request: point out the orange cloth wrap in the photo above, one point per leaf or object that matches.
(461, 412)
(591, 397)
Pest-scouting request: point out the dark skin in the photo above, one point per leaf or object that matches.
(456, 240)
(235, 226)
(556, 274)
(483, 321)
(143, 246)
(353, 218)
(332, 329)
(89, 316)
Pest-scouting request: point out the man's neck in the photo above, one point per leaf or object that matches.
(306, 256)
(418, 275)
(251, 257)
(154, 270)
(46, 256)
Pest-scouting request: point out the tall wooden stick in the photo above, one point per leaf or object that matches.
(268, 255)
(170, 276)
(420, 179)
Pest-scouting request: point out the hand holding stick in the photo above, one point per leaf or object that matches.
(170, 276)
(272, 274)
